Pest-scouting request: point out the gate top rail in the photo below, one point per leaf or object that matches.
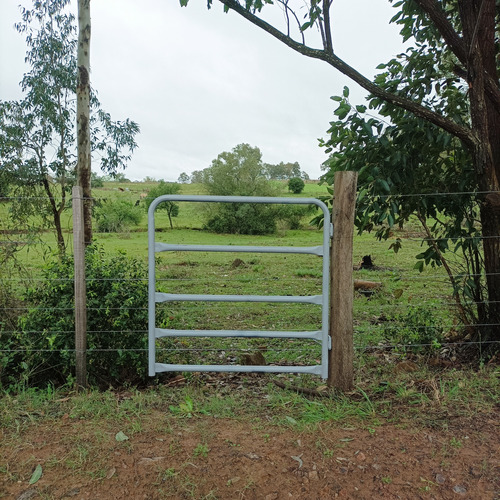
(155, 297)
(237, 199)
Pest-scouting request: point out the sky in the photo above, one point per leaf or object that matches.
(200, 82)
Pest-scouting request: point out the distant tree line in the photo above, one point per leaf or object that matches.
(280, 172)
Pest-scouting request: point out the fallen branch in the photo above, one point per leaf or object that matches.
(366, 285)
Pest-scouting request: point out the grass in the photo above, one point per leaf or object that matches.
(420, 396)
(377, 318)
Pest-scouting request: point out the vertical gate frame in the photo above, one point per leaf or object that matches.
(156, 297)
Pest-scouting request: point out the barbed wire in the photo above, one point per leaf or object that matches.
(400, 277)
(437, 346)
(408, 195)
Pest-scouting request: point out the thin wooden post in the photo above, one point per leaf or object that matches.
(80, 289)
(340, 363)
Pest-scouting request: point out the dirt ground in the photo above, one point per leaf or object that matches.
(216, 458)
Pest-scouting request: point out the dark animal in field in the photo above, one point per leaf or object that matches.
(366, 262)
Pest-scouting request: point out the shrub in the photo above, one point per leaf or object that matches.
(117, 300)
(243, 218)
(117, 216)
(417, 330)
(9, 305)
(296, 185)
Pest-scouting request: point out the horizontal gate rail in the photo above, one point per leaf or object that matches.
(164, 332)
(160, 297)
(167, 247)
(292, 299)
(312, 369)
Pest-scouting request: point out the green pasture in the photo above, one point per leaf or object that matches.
(377, 316)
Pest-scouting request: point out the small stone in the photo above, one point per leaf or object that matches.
(26, 495)
(440, 479)
(360, 457)
(461, 490)
(271, 496)
(313, 475)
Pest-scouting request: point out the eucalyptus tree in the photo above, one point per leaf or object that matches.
(83, 114)
(37, 132)
(448, 37)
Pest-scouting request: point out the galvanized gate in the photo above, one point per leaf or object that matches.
(155, 297)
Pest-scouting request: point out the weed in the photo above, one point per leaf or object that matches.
(201, 450)
(184, 409)
(169, 474)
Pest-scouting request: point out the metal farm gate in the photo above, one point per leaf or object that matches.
(158, 297)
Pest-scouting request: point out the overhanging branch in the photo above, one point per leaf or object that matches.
(463, 133)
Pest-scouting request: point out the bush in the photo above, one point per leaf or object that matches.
(9, 305)
(296, 185)
(243, 218)
(117, 216)
(117, 302)
(416, 331)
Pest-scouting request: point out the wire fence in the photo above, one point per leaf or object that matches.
(407, 311)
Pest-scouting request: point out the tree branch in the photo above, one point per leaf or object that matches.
(457, 45)
(437, 15)
(328, 31)
(463, 133)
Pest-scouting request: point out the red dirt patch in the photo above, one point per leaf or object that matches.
(207, 457)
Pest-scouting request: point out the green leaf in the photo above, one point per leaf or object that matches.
(419, 266)
(342, 111)
(291, 420)
(120, 437)
(345, 92)
(37, 474)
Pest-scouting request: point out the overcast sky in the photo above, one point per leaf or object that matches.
(200, 81)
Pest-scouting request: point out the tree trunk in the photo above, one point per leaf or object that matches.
(83, 114)
(478, 22)
(56, 215)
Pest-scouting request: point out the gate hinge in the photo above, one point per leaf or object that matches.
(331, 230)
(329, 343)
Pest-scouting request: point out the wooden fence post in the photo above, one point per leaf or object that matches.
(80, 289)
(340, 363)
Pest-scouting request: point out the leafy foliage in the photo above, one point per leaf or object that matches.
(171, 207)
(296, 185)
(405, 167)
(117, 216)
(284, 171)
(37, 133)
(117, 298)
(183, 178)
(417, 330)
(239, 172)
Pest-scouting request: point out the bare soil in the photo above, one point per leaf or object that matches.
(201, 456)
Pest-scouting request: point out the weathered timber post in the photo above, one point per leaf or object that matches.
(80, 289)
(340, 363)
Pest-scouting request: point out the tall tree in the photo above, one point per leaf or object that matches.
(37, 133)
(463, 32)
(83, 114)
